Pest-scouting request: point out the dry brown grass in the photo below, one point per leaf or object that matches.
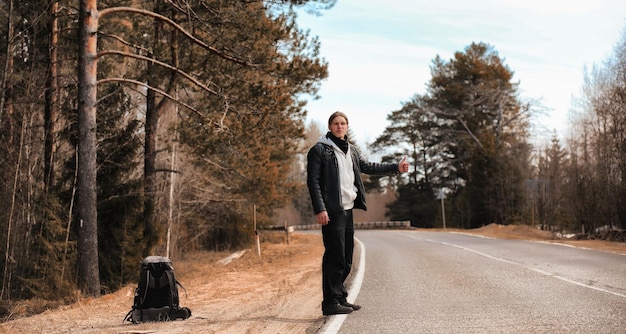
(529, 233)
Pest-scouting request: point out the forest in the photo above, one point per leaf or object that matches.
(131, 128)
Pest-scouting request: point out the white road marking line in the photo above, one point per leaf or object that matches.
(564, 279)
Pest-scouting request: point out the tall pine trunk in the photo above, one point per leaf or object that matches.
(153, 233)
(152, 119)
(88, 270)
(51, 107)
(4, 92)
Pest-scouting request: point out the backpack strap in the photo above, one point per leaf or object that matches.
(129, 316)
(145, 288)
(173, 289)
(180, 285)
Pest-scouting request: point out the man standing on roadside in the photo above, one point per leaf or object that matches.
(335, 186)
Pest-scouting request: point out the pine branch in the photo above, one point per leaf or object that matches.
(160, 91)
(160, 63)
(194, 39)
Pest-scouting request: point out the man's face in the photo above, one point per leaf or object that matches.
(338, 127)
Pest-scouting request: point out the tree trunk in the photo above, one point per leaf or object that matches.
(4, 91)
(88, 270)
(50, 113)
(152, 119)
(154, 109)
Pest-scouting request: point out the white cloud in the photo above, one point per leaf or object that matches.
(548, 7)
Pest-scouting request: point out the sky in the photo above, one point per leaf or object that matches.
(380, 52)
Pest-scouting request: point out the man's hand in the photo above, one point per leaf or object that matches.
(403, 166)
(322, 218)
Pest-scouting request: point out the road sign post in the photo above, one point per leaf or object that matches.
(442, 197)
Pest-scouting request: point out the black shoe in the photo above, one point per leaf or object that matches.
(354, 307)
(336, 309)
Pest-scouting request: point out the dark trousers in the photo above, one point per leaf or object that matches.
(338, 236)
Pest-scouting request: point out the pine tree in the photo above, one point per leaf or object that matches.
(411, 133)
(486, 126)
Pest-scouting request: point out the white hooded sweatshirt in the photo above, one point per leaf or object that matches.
(346, 173)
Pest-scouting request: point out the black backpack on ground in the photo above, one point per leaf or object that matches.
(156, 296)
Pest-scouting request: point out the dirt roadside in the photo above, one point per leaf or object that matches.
(277, 292)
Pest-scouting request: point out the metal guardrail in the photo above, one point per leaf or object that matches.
(385, 224)
(394, 224)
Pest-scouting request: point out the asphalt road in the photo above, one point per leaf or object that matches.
(432, 282)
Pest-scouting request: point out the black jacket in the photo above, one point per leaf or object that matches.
(323, 178)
